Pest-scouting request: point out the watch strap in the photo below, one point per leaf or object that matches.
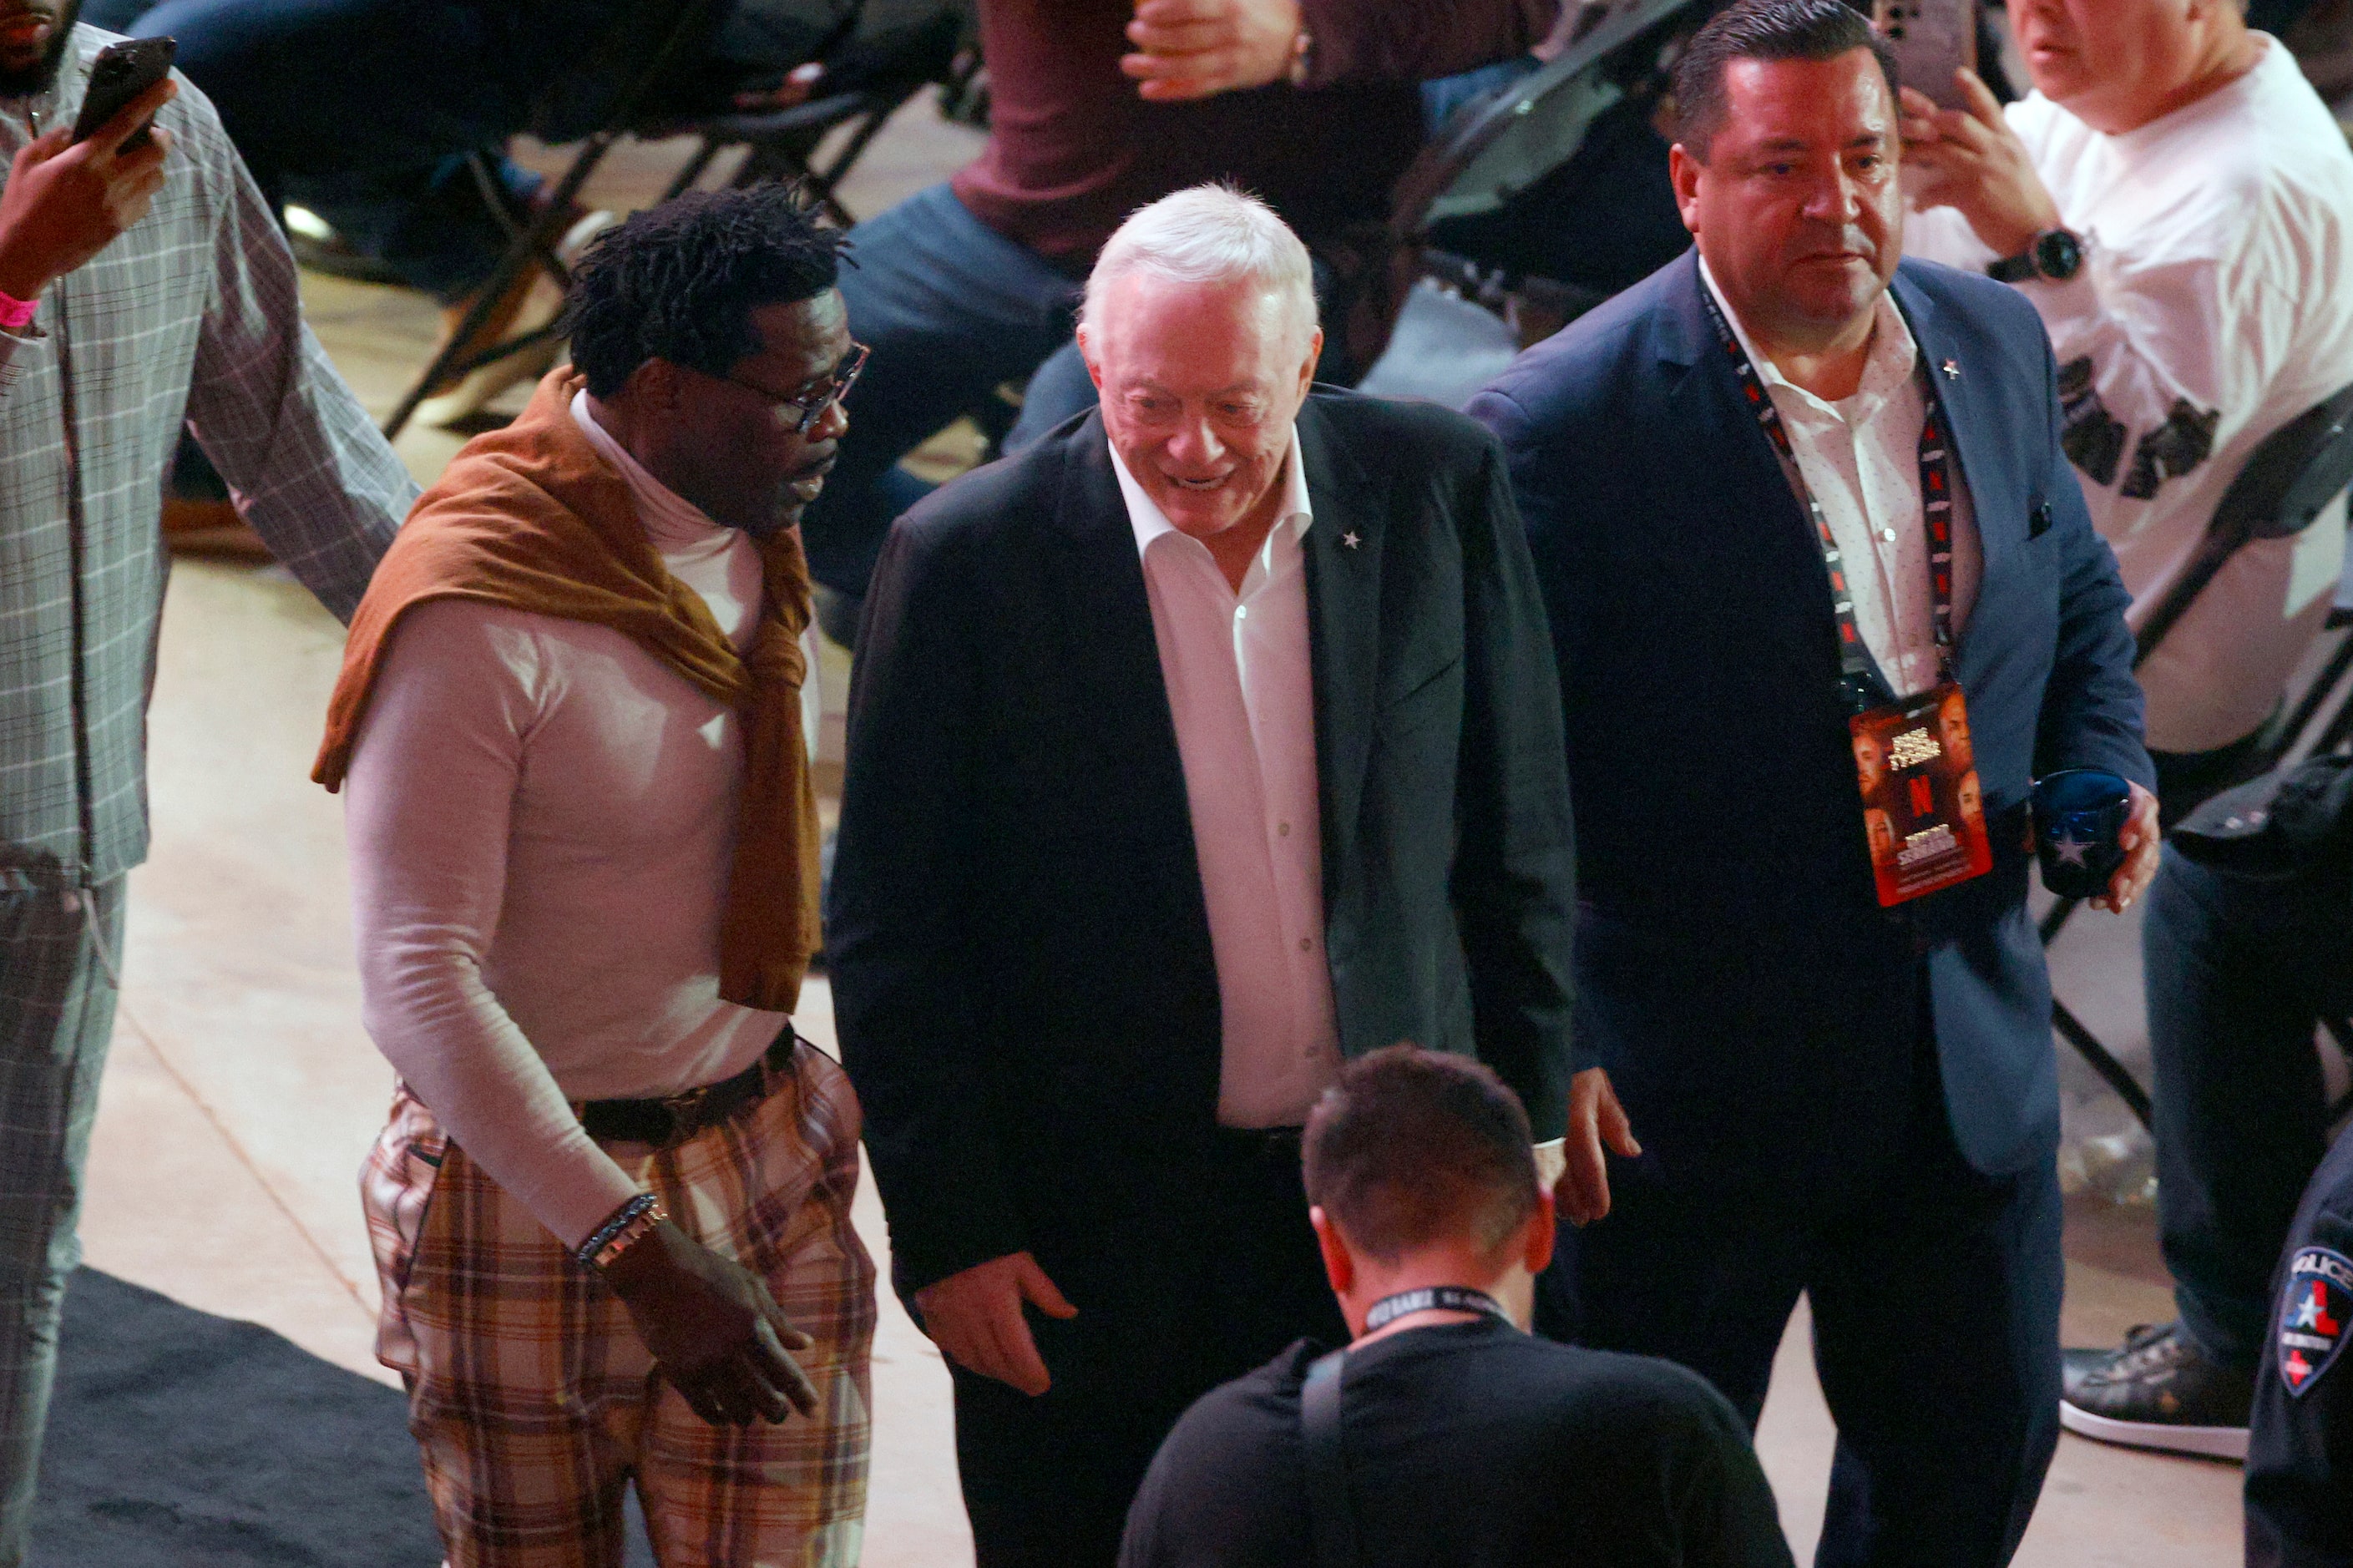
(2015, 268)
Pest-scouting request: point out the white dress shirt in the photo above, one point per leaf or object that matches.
(1860, 457)
(1243, 696)
(2215, 304)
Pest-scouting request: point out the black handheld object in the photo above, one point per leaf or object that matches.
(119, 74)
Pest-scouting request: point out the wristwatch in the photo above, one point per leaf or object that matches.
(2055, 253)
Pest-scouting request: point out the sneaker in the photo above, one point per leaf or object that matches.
(2158, 1392)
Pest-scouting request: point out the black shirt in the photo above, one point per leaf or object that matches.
(1471, 1444)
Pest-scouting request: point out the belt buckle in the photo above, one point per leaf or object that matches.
(681, 1108)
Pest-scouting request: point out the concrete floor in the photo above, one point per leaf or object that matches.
(242, 1093)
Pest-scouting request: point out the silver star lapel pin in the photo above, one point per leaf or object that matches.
(1350, 539)
(1952, 370)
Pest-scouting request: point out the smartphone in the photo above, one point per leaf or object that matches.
(1932, 39)
(120, 73)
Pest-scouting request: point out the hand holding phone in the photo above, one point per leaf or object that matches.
(120, 76)
(71, 193)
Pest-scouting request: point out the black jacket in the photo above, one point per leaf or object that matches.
(1019, 951)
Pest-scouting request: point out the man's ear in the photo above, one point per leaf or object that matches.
(655, 386)
(1684, 169)
(1087, 357)
(1339, 1267)
(1314, 354)
(1538, 1232)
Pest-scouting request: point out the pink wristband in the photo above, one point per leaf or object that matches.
(16, 314)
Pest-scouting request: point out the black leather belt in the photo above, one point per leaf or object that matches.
(662, 1123)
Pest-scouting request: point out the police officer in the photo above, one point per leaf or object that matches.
(2300, 1450)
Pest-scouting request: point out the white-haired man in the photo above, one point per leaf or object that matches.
(2178, 203)
(1209, 741)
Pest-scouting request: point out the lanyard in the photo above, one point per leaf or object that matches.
(1855, 676)
(1432, 1298)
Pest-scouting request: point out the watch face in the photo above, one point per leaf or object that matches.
(2058, 254)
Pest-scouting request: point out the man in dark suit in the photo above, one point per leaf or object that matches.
(1209, 741)
(1853, 1099)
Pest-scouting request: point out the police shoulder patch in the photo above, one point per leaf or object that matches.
(2313, 1313)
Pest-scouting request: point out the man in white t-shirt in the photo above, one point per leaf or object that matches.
(2176, 201)
(2179, 205)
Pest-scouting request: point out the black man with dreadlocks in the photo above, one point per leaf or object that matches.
(611, 1209)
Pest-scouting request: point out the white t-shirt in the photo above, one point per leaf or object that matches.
(2215, 305)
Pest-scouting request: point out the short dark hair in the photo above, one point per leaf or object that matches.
(679, 282)
(1414, 1147)
(1764, 30)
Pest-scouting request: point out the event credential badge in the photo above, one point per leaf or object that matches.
(1923, 809)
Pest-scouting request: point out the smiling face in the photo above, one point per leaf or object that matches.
(726, 443)
(1200, 384)
(1796, 207)
(33, 38)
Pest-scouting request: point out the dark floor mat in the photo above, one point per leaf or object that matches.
(182, 1440)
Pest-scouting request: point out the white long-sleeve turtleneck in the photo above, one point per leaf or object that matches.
(542, 818)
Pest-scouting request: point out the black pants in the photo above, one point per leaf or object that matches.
(1047, 1481)
(2238, 973)
(1934, 1291)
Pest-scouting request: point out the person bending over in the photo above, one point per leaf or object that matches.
(611, 1207)
(1462, 1439)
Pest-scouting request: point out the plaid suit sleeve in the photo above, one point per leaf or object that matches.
(300, 456)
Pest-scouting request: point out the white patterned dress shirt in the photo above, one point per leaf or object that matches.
(1860, 457)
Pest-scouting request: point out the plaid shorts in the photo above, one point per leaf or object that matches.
(533, 1399)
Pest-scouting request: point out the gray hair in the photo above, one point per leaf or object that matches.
(1209, 234)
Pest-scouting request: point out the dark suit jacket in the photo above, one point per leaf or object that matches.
(1020, 951)
(1729, 913)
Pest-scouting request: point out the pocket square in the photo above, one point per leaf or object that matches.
(2038, 521)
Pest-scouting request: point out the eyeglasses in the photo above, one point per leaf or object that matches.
(799, 415)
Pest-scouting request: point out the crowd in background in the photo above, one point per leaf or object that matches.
(1228, 731)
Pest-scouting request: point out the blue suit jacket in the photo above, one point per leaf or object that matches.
(1731, 951)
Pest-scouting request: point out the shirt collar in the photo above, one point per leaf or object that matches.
(670, 521)
(1144, 516)
(1886, 371)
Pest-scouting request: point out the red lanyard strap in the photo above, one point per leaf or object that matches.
(1857, 677)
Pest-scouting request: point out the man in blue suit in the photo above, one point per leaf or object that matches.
(1829, 1029)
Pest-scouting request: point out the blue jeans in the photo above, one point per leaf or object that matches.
(362, 111)
(2239, 974)
(952, 310)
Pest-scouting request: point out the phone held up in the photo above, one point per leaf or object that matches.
(119, 74)
(1932, 39)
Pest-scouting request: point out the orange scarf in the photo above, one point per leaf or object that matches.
(531, 518)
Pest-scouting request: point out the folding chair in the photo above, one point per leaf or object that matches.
(2288, 482)
(667, 36)
(1492, 152)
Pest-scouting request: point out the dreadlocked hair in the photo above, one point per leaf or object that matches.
(679, 282)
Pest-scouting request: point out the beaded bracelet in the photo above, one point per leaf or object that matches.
(630, 1224)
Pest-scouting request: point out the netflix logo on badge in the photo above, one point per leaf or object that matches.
(1922, 808)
